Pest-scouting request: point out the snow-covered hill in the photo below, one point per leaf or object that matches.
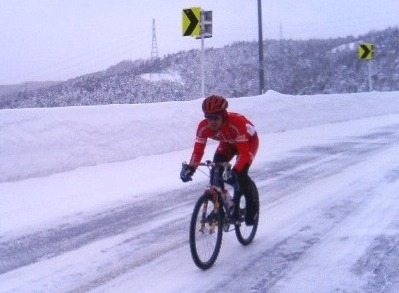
(293, 67)
(91, 199)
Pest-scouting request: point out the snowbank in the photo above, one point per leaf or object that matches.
(38, 142)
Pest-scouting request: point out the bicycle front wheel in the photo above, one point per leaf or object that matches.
(206, 231)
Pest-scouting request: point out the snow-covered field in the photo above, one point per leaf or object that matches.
(91, 199)
(173, 76)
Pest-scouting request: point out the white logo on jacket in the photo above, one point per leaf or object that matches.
(250, 129)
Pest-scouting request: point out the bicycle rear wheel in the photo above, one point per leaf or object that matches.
(206, 231)
(245, 233)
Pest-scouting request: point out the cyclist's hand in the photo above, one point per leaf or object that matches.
(187, 172)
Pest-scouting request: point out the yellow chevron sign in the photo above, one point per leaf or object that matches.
(191, 22)
(366, 51)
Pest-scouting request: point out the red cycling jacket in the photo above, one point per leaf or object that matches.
(237, 135)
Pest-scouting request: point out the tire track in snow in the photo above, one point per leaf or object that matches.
(265, 270)
(380, 264)
(32, 248)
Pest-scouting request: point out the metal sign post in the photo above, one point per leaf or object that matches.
(198, 23)
(370, 79)
(366, 52)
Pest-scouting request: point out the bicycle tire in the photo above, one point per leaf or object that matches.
(205, 243)
(245, 234)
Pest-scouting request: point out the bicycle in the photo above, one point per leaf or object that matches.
(212, 215)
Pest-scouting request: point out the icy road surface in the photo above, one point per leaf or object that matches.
(329, 223)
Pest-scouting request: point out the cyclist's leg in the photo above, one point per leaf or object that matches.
(253, 202)
(248, 186)
(250, 191)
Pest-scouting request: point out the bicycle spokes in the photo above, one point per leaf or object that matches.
(209, 219)
(205, 232)
(203, 220)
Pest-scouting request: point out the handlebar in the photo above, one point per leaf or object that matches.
(227, 167)
(209, 163)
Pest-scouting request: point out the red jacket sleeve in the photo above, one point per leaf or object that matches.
(200, 143)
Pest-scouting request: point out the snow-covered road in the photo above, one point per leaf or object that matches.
(329, 223)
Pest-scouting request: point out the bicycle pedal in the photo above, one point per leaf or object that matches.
(213, 227)
(226, 227)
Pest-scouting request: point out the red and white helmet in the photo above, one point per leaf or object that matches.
(214, 104)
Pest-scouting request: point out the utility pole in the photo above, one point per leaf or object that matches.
(260, 41)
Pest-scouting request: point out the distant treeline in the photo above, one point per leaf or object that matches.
(291, 66)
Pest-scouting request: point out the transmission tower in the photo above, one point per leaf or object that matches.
(154, 48)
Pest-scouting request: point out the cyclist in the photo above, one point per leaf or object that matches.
(236, 136)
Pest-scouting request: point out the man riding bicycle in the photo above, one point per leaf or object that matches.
(236, 136)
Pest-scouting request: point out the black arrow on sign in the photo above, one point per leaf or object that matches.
(366, 52)
(193, 22)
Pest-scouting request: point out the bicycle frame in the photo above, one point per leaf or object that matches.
(216, 192)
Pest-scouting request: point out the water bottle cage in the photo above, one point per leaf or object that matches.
(228, 203)
(227, 173)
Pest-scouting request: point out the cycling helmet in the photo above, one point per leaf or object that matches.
(214, 105)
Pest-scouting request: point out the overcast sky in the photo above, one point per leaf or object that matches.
(61, 39)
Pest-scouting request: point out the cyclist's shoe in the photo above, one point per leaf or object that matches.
(251, 211)
(251, 214)
(234, 218)
(250, 219)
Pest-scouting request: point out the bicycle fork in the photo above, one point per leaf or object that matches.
(212, 222)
